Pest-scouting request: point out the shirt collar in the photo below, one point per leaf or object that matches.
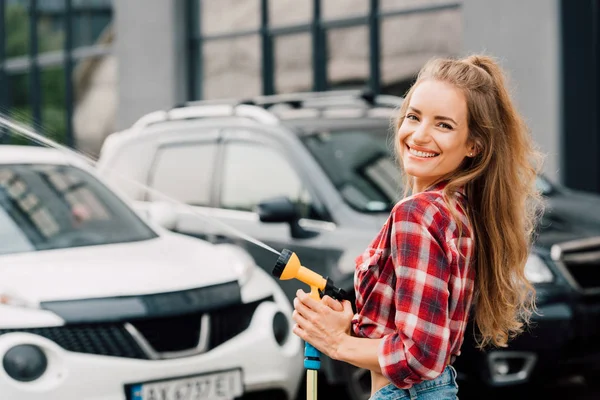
(437, 187)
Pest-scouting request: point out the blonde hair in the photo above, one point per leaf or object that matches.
(499, 182)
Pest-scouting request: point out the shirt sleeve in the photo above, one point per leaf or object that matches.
(419, 347)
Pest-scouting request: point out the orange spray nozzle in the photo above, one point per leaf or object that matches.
(288, 267)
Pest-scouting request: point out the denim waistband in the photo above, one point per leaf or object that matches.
(442, 387)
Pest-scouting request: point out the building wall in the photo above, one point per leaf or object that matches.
(150, 49)
(525, 37)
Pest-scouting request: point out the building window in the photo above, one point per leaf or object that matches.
(46, 47)
(277, 46)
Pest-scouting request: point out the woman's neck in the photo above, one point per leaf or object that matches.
(421, 184)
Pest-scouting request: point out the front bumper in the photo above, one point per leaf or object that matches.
(564, 338)
(265, 365)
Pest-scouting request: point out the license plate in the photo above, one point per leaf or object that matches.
(224, 385)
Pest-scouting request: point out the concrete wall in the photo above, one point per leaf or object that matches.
(150, 50)
(525, 36)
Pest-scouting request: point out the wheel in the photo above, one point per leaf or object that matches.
(358, 382)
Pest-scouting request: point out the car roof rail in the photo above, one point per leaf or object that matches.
(258, 114)
(265, 100)
(324, 99)
(257, 108)
(342, 101)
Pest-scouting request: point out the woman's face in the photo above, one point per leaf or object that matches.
(434, 134)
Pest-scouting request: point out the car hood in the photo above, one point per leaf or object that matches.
(569, 215)
(167, 263)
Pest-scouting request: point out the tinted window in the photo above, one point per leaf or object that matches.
(51, 207)
(253, 173)
(184, 172)
(360, 165)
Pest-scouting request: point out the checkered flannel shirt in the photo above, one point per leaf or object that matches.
(414, 286)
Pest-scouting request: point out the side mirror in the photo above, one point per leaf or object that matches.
(282, 209)
(162, 214)
(277, 209)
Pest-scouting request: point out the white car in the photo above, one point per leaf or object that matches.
(98, 303)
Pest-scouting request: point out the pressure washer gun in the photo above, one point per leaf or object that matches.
(288, 267)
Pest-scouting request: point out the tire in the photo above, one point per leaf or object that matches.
(357, 382)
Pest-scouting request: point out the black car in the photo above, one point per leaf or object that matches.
(314, 173)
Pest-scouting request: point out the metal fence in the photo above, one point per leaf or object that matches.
(317, 28)
(69, 18)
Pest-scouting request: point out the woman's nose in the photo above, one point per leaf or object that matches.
(421, 134)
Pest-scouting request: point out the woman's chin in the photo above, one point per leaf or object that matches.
(414, 172)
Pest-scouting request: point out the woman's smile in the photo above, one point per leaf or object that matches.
(420, 152)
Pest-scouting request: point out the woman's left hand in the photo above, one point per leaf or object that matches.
(324, 323)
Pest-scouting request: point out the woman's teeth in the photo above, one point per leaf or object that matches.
(421, 153)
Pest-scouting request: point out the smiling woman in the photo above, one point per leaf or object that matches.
(461, 238)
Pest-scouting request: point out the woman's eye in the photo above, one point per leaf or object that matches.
(445, 126)
(412, 116)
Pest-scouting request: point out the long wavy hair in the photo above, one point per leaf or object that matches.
(499, 181)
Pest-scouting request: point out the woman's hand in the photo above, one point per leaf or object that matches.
(324, 324)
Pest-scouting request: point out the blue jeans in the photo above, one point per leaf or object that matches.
(443, 387)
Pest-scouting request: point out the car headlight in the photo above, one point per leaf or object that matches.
(240, 261)
(9, 298)
(537, 271)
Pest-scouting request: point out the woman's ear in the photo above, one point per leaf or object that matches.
(473, 148)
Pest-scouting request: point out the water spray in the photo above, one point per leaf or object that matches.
(287, 267)
(27, 133)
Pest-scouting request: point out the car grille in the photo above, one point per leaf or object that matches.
(172, 333)
(581, 260)
(102, 339)
(165, 334)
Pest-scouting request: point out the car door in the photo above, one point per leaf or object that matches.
(253, 168)
(183, 168)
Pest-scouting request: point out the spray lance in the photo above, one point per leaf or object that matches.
(288, 267)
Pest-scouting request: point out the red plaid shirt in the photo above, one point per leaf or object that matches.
(414, 287)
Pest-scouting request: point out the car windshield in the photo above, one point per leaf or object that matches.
(46, 207)
(360, 164)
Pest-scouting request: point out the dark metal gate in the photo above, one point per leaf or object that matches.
(580, 94)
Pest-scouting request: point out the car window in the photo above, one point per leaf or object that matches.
(184, 172)
(253, 172)
(50, 207)
(360, 165)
